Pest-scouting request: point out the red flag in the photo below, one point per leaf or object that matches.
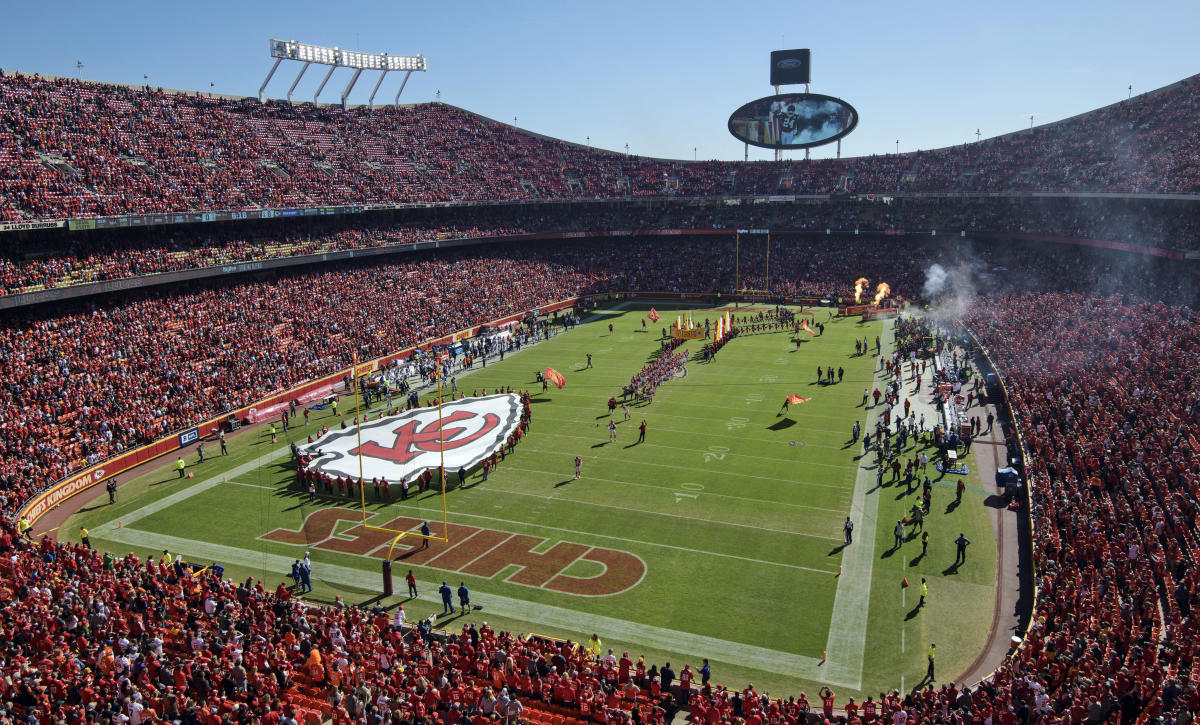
(807, 329)
(555, 377)
(796, 400)
(653, 315)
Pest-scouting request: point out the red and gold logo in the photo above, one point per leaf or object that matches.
(404, 445)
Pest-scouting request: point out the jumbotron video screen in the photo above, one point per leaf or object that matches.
(793, 121)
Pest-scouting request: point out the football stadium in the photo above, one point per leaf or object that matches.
(383, 410)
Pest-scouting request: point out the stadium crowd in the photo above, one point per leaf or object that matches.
(1105, 389)
(96, 638)
(70, 396)
(52, 261)
(1101, 352)
(73, 149)
(122, 256)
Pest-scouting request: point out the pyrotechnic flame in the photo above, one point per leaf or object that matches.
(883, 290)
(859, 285)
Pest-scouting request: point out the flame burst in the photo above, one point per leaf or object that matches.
(860, 284)
(883, 290)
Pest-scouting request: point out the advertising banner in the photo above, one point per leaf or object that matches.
(189, 437)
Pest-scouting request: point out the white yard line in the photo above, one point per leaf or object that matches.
(687, 643)
(258, 485)
(741, 435)
(708, 406)
(669, 489)
(903, 603)
(723, 436)
(595, 438)
(648, 543)
(626, 509)
(851, 605)
(747, 438)
(403, 504)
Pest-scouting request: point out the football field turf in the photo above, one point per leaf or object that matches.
(719, 536)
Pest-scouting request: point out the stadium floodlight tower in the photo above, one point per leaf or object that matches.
(335, 58)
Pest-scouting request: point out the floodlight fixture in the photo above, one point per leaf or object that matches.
(335, 58)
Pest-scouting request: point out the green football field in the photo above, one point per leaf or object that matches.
(719, 536)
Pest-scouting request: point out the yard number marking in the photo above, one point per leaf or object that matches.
(715, 453)
(693, 488)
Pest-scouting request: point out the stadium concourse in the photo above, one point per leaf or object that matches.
(1100, 351)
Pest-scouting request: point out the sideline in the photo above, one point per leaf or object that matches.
(847, 642)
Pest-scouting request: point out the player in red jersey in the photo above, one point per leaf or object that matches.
(868, 710)
(827, 697)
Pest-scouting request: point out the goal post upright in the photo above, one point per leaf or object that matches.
(387, 562)
(362, 489)
(441, 446)
(737, 263)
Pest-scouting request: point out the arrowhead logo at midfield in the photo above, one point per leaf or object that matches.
(404, 445)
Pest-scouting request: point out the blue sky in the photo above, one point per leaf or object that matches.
(662, 77)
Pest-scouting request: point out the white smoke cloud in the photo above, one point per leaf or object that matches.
(935, 280)
(951, 292)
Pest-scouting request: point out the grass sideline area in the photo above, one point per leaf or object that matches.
(734, 510)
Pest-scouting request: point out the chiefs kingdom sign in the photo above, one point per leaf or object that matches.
(403, 446)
